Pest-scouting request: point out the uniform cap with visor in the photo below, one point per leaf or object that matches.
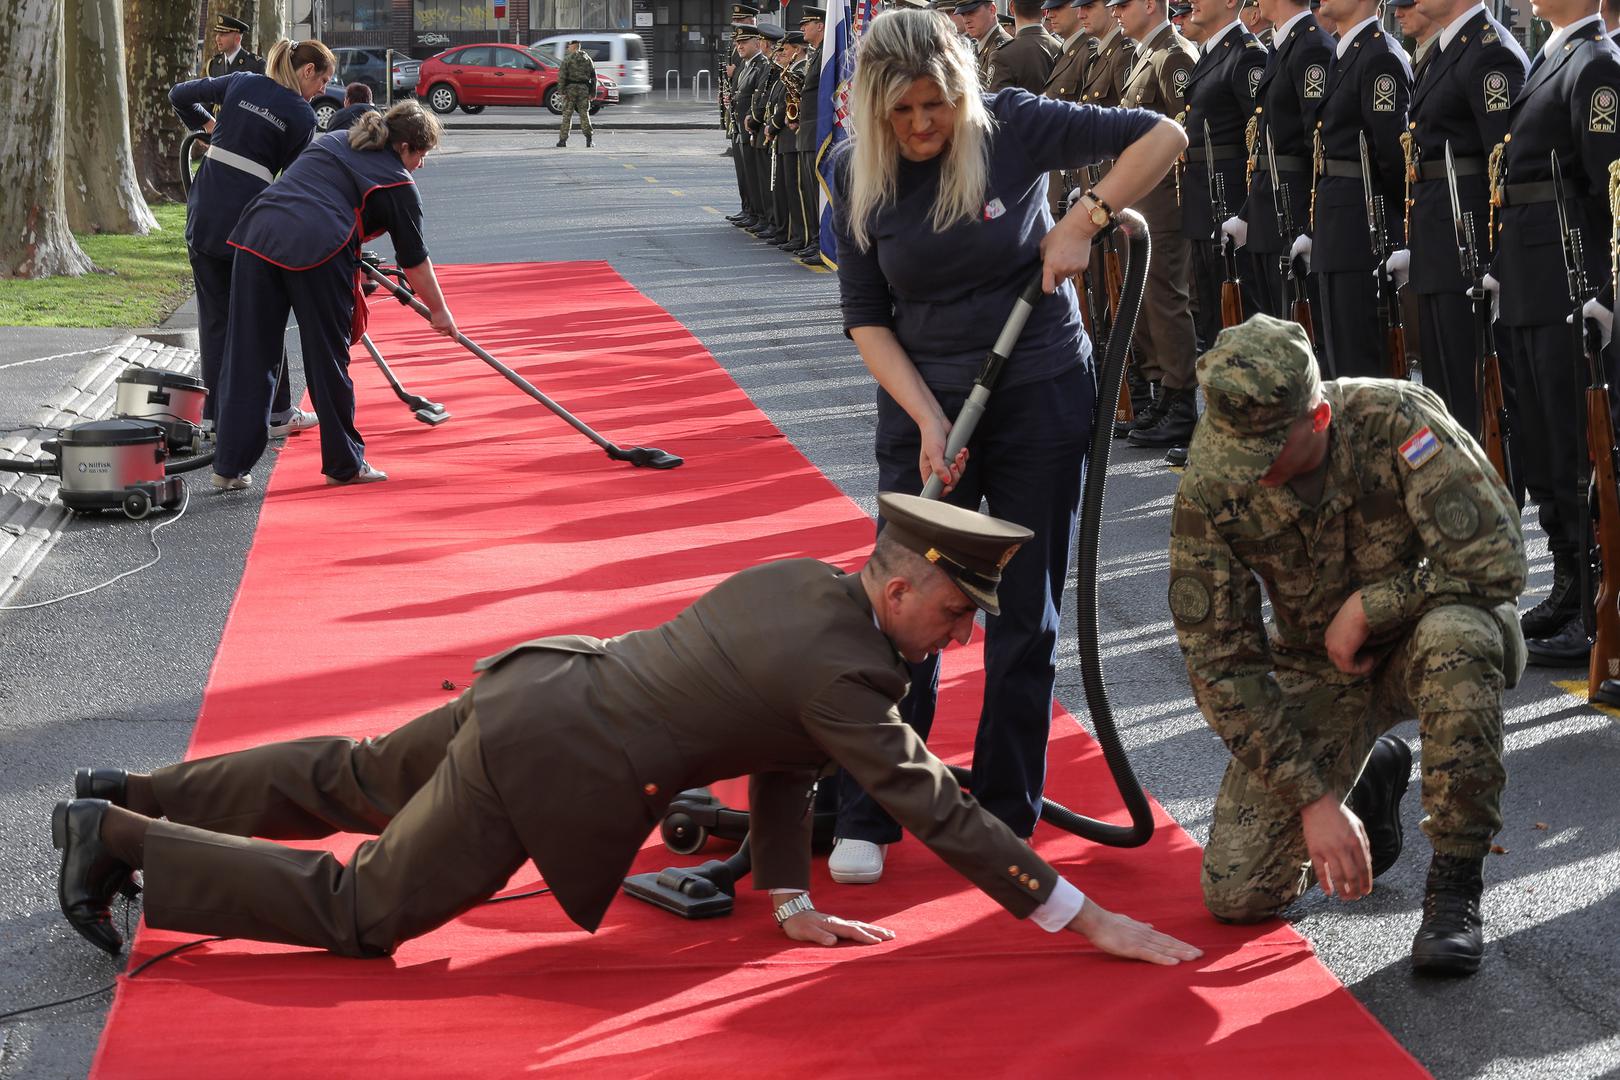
(966, 546)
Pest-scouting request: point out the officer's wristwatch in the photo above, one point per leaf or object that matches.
(1100, 213)
(793, 906)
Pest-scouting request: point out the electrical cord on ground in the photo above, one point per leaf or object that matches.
(185, 502)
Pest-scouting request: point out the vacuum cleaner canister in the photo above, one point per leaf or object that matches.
(114, 463)
(168, 398)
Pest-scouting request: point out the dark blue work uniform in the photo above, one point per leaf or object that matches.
(1570, 105)
(944, 295)
(1368, 93)
(298, 249)
(1464, 98)
(261, 128)
(1285, 106)
(1219, 93)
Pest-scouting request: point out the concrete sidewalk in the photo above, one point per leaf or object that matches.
(648, 113)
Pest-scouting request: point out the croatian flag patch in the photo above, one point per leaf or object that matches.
(1420, 448)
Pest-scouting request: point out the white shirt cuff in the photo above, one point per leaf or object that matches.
(1060, 908)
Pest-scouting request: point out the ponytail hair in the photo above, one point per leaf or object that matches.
(286, 57)
(407, 122)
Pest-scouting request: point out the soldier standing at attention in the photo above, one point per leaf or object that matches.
(813, 25)
(231, 57)
(1027, 60)
(1463, 99)
(1569, 107)
(1063, 18)
(741, 14)
(1258, 23)
(1285, 108)
(1102, 83)
(577, 78)
(1392, 558)
(750, 81)
(979, 23)
(1421, 29)
(1165, 342)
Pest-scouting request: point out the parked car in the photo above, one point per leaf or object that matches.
(327, 103)
(366, 64)
(621, 57)
(471, 77)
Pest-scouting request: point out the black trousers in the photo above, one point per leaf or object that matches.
(784, 189)
(212, 277)
(810, 193)
(742, 183)
(1270, 290)
(1352, 343)
(1450, 354)
(1547, 412)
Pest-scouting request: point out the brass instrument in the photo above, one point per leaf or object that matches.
(793, 79)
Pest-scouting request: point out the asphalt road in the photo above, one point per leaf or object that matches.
(116, 677)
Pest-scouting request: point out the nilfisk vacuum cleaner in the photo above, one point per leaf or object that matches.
(172, 400)
(707, 891)
(112, 464)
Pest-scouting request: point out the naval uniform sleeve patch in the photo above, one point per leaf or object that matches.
(1189, 600)
(1255, 75)
(1604, 100)
(1496, 92)
(1316, 81)
(1384, 94)
(1422, 446)
(1456, 515)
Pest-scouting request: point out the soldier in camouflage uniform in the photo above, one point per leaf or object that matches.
(576, 79)
(1392, 557)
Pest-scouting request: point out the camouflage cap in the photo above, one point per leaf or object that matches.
(968, 547)
(1258, 378)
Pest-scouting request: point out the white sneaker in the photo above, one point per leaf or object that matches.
(856, 862)
(293, 422)
(366, 475)
(231, 483)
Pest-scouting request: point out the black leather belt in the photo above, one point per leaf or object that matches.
(1436, 170)
(1222, 151)
(1524, 194)
(1285, 163)
(1341, 167)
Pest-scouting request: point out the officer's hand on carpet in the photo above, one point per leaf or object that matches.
(1346, 634)
(1399, 267)
(819, 928)
(1066, 250)
(1599, 314)
(1337, 843)
(1237, 229)
(1121, 935)
(932, 458)
(1301, 252)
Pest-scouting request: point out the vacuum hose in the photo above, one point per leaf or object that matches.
(45, 466)
(170, 468)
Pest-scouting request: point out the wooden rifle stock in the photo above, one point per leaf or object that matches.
(1395, 342)
(1231, 291)
(1300, 312)
(1606, 629)
(1492, 410)
(1114, 284)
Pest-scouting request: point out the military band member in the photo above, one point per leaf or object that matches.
(813, 25)
(750, 83)
(1285, 112)
(230, 57)
(1464, 100)
(1368, 91)
(758, 143)
(731, 125)
(1393, 560)
(784, 143)
(1064, 84)
(1165, 342)
(979, 23)
(1027, 60)
(1568, 106)
(1220, 97)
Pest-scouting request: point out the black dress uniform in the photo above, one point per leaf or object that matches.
(750, 81)
(784, 196)
(809, 144)
(1368, 93)
(1221, 94)
(1463, 99)
(760, 139)
(1285, 107)
(1570, 105)
(219, 65)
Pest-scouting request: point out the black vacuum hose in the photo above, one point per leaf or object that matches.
(170, 468)
(186, 144)
(44, 467)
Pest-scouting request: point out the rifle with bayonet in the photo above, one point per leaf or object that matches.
(1389, 301)
(1600, 612)
(1494, 433)
(1299, 305)
(1231, 292)
(1113, 278)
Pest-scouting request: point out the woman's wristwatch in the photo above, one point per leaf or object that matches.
(793, 906)
(1098, 211)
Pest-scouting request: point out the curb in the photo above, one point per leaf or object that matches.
(30, 517)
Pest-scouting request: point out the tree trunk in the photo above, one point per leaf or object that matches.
(272, 23)
(160, 37)
(34, 237)
(101, 190)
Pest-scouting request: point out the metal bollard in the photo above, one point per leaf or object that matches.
(707, 94)
(674, 73)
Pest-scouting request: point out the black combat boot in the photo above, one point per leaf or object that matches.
(562, 142)
(1450, 941)
(1143, 400)
(1175, 424)
(1567, 647)
(587, 140)
(1562, 602)
(1376, 799)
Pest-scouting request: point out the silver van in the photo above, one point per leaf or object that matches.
(621, 57)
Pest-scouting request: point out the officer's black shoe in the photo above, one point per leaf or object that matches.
(746, 222)
(1450, 940)
(741, 215)
(1175, 426)
(1562, 602)
(1376, 799)
(770, 236)
(1569, 647)
(109, 784)
(790, 243)
(1176, 458)
(89, 877)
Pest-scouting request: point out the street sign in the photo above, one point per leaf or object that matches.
(500, 10)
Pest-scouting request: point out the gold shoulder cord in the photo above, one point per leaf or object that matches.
(1317, 160)
(1251, 142)
(1181, 159)
(1614, 203)
(1410, 150)
(1493, 170)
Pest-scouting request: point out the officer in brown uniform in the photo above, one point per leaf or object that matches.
(1165, 342)
(1063, 18)
(979, 23)
(1027, 60)
(1113, 56)
(567, 751)
(1393, 560)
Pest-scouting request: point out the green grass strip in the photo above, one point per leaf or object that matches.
(142, 280)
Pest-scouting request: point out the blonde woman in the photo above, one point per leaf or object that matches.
(264, 122)
(298, 249)
(942, 219)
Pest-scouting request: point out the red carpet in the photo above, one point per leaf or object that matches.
(504, 524)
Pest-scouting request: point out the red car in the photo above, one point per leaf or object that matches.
(470, 77)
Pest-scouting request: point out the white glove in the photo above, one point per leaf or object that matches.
(1598, 314)
(1399, 267)
(1302, 252)
(1493, 289)
(1492, 286)
(1237, 229)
